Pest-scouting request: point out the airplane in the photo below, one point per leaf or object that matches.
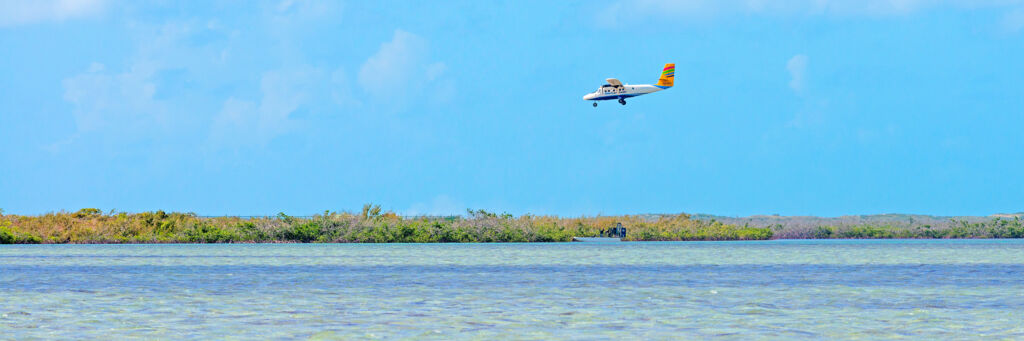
(616, 90)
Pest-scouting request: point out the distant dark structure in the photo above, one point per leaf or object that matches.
(616, 232)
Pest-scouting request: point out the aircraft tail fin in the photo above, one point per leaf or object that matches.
(668, 75)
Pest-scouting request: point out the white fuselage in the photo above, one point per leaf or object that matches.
(608, 91)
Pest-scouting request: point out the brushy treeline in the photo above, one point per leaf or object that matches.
(374, 226)
(883, 226)
(995, 228)
(370, 226)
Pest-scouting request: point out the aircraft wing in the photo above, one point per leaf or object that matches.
(613, 81)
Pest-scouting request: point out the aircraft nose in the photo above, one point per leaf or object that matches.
(588, 96)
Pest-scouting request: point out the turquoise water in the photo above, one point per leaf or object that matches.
(924, 289)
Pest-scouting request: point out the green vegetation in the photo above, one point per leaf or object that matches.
(373, 225)
(997, 228)
(1006, 225)
(11, 235)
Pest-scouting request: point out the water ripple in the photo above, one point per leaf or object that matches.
(848, 289)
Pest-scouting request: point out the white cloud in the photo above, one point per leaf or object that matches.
(307, 8)
(394, 64)
(162, 90)
(1013, 21)
(811, 115)
(235, 124)
(287, 20)
(127, 101)
(119, 101)
(156, 98)
(813, 112)
(23, 12)
(341, 89)
(182, 77)
(440, 205)
(628, 11)
(401, 69)
(242, 122)
(797, 67)
(435, 71)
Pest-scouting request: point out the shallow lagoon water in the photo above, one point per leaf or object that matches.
(924, 289)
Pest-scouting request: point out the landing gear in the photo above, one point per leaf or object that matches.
(622, 101)
(595, 104)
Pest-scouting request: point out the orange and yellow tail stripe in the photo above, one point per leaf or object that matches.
(668, 75)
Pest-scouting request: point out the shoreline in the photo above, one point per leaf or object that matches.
(92, 226)
(500, 242)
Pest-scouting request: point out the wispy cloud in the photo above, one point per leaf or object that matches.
(797, 67)
(127, 100)
(397, 72)
(401, 69)
(121, 100)
(245, 122)
(440, 205)
(628, 11)
(167, 84)
(16, 12)
(813, 111)
(1013, 21)
(394, 64)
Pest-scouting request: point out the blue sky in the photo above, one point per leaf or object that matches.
(823, 107)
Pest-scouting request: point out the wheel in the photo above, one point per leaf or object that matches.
(622, 101)
(595, 104)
